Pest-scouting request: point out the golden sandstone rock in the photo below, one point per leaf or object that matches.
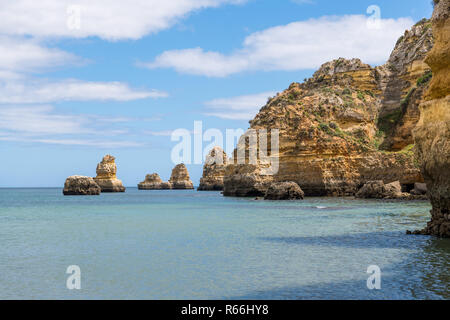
(213, 170)
(80, 185)
(180, 178)
(432, 134)
(106, 175)
(343, 127)
(154, 182)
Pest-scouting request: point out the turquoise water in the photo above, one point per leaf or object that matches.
(200, 245)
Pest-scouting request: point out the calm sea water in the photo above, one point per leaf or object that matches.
(200, 245)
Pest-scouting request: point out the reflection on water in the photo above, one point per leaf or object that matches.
(200, 245)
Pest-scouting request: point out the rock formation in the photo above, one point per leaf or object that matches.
(378, 190)
(154, 182)
(213, 170)
(337, 130)
(80, 185)
(180, 178)
(284, 191)
(106, 175)
(432, 134)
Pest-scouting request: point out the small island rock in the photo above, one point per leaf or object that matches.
(106, 175)
(81, 185)
(180, 178)
(154, 182)
(284, 191)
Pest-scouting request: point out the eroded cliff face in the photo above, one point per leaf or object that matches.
(180, 178)
(432, 134)
(333, 136)
(106, 175)
(213, 170)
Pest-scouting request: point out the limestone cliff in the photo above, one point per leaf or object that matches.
(106, 175)
(432, 134)
(213, 170)
(333, 136)
(154, 182)
(180, 178)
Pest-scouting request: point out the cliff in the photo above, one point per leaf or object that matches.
(347, 125)
(106, 175)
(432, 134)
(213, 170)
(179, 178)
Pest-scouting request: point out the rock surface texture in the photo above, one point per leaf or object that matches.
(343, 127)
(432, 134)
(284, 191)
(154, 182)
(80, 185)
(180, 178)
(106, 175)
(213, 170)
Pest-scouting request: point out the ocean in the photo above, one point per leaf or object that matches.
(201, 245)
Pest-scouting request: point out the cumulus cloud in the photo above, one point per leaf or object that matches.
(295, 46)
(237, 108)
(107, 19)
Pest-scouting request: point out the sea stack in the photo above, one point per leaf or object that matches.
(432, 134)
(81, 185)
(213, 170)
(106, 175)
(154, 182)
(180, 178)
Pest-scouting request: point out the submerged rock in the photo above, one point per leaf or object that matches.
(81, 185)
(432, 134)
(284, 191)
(180, 178)
(213, 170)
(106, 175)
(154, 182)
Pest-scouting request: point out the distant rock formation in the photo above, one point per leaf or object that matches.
(432, 134)
(213, 170)
(284, 191)
(80, 185)
(106, 175)
(343, 127)
(154, 182)
(180, 178)
(378, 190)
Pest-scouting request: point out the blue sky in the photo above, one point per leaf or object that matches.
(130, 73)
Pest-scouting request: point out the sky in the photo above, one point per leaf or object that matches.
(82, 79)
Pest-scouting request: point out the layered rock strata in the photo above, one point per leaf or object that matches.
(337, 130)
(81, 185)
(432, 134)
(180, 178)
(106, 175)
(154, 182)
(213, 170)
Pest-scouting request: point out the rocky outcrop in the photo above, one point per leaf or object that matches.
(284, 191)
(154, 182)
(379, 190)
(80, 185)
(106, 175)
(432, 134)
(180, 178)
(333, 136)
(213, 170)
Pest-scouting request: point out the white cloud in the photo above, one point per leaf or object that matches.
(39, 91)
(44, 124)
(238, 108)
(107, 19)
(20, 55)
(295, 46)
(163, 133)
